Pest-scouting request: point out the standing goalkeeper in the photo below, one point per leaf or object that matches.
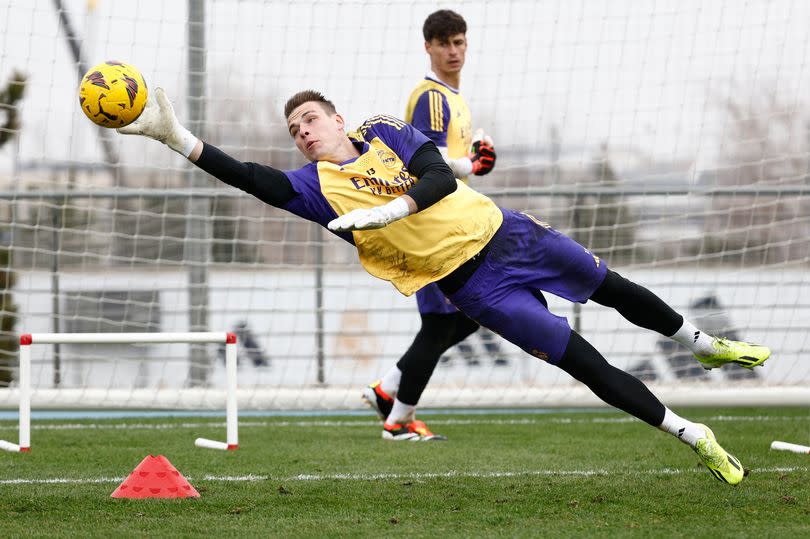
(387, 190)
(438, 110)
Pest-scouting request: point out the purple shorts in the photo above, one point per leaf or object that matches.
(505, 294)
(431, 300)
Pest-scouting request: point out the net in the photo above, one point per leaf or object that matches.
(672, 140)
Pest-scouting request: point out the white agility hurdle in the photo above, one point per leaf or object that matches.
(29, 339)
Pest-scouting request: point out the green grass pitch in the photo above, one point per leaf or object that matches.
(591, 474)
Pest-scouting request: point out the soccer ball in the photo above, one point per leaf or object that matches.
(112, 94)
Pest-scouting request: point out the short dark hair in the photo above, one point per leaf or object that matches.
(305, 96)
(442, 24)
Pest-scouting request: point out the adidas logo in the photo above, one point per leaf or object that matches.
(697, 336)
(681, 431)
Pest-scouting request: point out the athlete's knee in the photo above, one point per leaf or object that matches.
(611, 289)
(464, 327)
(437, 331)
(616, 289)
(637, 304)
(582, 361)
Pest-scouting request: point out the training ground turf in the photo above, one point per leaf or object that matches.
(557, 474)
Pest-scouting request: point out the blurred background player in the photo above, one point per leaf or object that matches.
(438, 110)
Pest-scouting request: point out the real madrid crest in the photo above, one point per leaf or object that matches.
(387, 158)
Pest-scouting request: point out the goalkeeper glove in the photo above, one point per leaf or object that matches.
(158, 121)
(482, 155)
(371, 218)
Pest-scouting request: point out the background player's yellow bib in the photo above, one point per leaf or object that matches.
(441, 113)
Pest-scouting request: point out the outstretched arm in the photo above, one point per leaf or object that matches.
(158, 121)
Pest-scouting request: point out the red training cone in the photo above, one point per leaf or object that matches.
(155, 477)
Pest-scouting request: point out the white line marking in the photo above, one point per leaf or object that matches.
(61, 480)
(236, 478)
(374, 423)
(398, 476)
(527, 473)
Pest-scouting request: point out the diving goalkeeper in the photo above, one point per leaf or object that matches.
(387, 190)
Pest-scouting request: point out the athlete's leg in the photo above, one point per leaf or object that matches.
(395, 395)
(612, 385)
(523, 318)
(644, 309)
(438, 333)
(637, 304)
(432, 339)
(430, 301)
(504, 295)
(624, 391)
(537, 256)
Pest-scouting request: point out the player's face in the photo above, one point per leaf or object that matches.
(317, 134)
(447, 55)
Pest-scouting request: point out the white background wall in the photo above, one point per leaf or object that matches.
(368, 325)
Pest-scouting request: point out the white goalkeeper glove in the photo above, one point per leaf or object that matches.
(461, 167)
(158, 121)
(479, 161)
(371, 218)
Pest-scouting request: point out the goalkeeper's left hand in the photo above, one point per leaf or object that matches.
(482, 155)
(158, 121)
(371, 218)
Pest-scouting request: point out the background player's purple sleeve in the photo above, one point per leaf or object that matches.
(431, 116)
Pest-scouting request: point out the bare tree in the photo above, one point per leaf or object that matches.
(252, 128)
(9, 97)
(606, 224)
(765, 143)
